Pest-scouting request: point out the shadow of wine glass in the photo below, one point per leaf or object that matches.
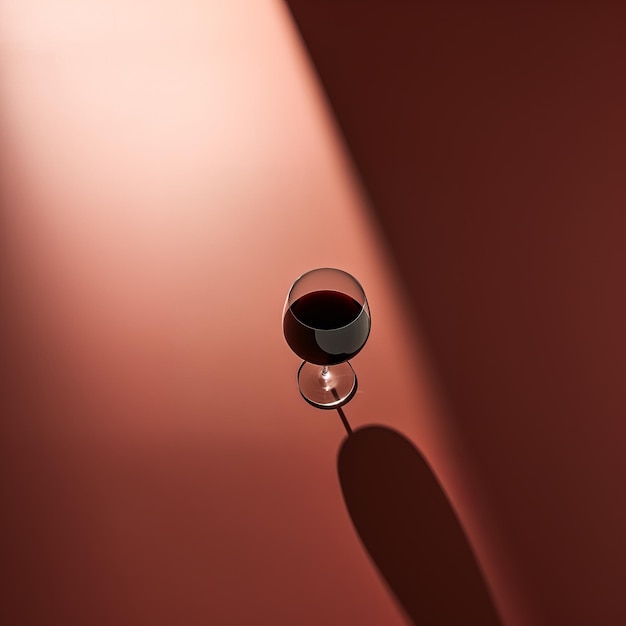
(410, 530)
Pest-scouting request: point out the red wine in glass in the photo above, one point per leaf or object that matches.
(326, 321)
(326, 327)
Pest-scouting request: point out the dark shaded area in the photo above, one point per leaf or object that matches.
(491, 138)
(410, 530)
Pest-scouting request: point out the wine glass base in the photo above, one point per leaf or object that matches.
(327, 390)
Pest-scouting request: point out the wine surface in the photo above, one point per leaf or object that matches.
(326, 327)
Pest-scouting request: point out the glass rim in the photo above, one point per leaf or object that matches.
(363, 304)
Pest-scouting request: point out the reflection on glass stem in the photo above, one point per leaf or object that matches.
(326, 378)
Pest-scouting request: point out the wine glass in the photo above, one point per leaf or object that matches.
(326, 321)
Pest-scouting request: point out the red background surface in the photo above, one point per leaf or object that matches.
(169, 168)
